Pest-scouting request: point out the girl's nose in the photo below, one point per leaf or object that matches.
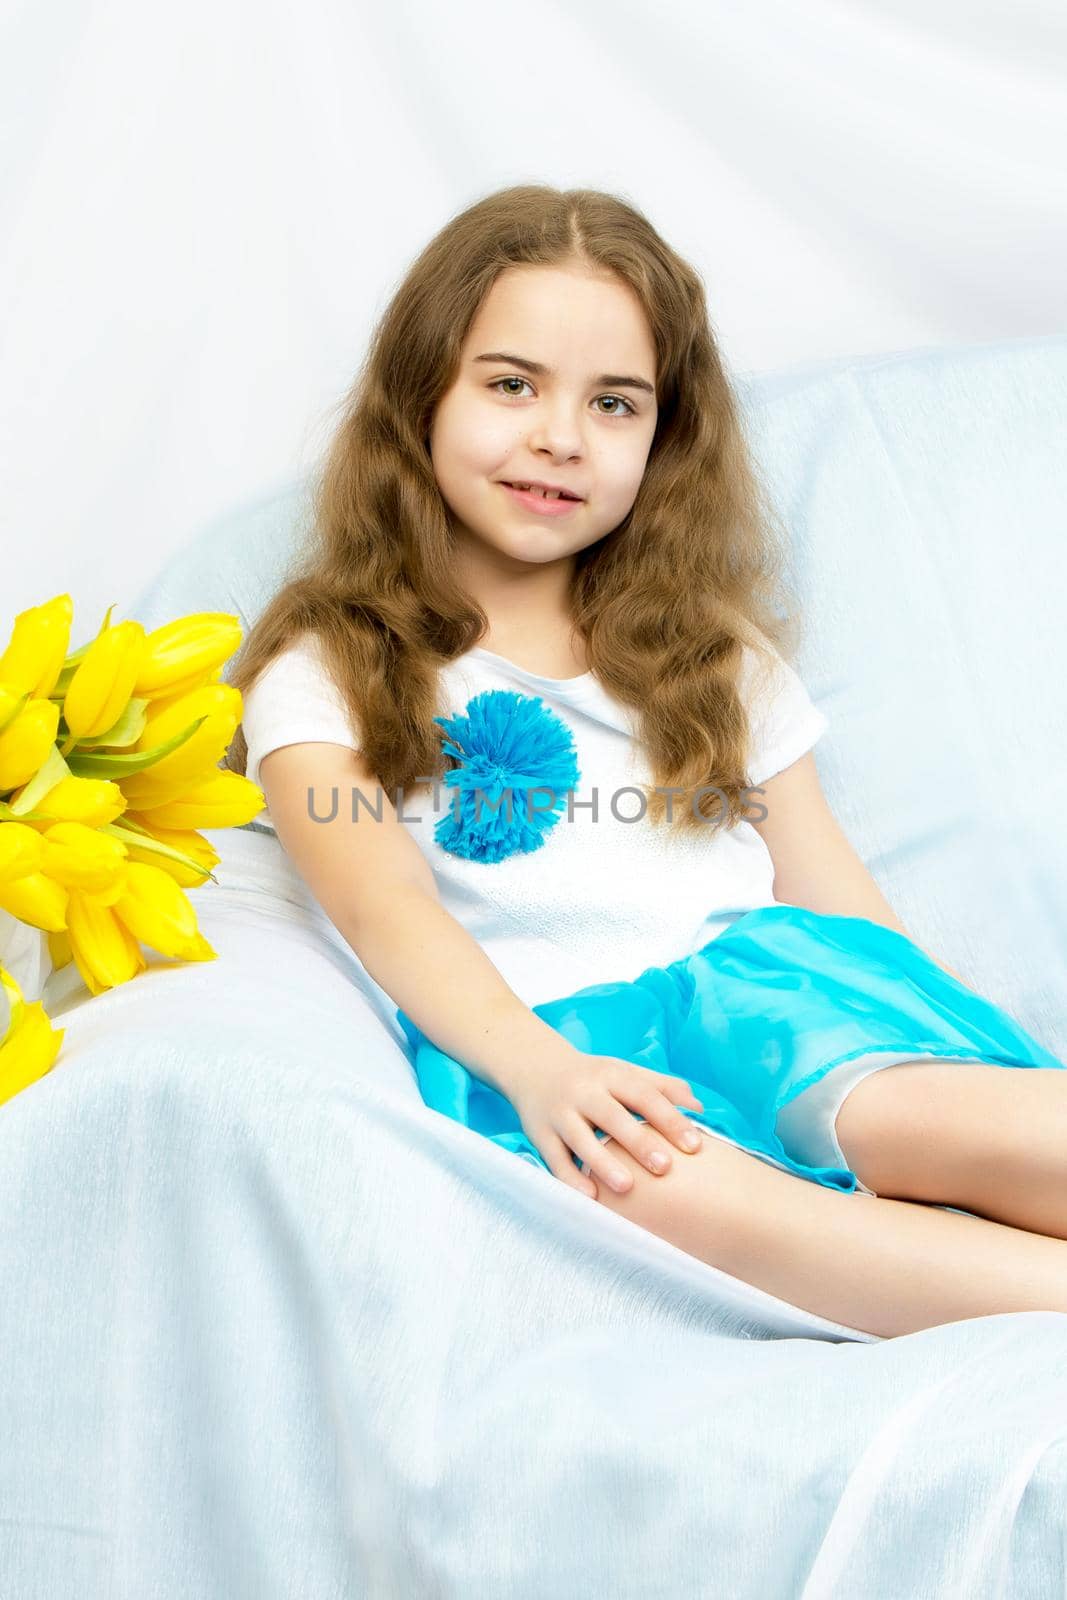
(560, 436)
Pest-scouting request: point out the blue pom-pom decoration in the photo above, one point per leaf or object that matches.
(506, 741)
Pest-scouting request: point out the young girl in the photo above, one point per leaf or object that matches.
(525, 724)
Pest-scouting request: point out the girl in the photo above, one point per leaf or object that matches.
(629, 943)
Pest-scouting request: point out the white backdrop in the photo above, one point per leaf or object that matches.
(204, 209)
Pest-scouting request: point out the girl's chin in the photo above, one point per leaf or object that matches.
(536, 544)
(532, 547)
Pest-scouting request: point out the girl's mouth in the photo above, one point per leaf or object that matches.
(544, 505)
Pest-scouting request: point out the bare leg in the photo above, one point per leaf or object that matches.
(989, 1139)
(885, 1266)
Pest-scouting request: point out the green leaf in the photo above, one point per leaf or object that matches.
(93, 764)
(52, 770)
(132, 827)
(134, 834)
(128, 729)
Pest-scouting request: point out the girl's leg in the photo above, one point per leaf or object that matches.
(885, 1266)
(989, 1139)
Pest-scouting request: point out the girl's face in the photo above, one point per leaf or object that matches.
(584, 420)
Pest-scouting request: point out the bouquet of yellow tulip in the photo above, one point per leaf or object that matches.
(109, 763)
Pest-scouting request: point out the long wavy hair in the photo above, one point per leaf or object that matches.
(665, 602)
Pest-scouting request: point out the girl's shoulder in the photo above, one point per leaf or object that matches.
(301, 656)
(293, 700)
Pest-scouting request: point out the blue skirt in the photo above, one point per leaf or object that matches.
(752, 1020)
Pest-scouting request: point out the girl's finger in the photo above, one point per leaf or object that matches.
(578, 1133)
(560, 1164)
(683, 1093)
(660, 1112)
(673, 1124)
(656, 1115)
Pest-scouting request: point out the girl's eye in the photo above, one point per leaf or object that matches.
(618, 397)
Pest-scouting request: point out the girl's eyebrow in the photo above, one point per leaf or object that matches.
(539, 370)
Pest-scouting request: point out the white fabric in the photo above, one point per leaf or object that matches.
(24, 954)
(603, 898)
(272, 1327)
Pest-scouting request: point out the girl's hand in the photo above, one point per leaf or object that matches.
(561, 1101)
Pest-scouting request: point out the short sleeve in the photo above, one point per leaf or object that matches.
(785, 722)
(293, 701)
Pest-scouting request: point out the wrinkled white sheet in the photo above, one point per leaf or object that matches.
(271, 1327)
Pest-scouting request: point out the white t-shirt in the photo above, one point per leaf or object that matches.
(605, 896)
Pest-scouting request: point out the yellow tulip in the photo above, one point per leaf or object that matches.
(156, 911)
(86, 859)
(29, 1044)
(208, 700)
(21, 851)
(223, 800)
(39, 643)
(186, 840)
(219, 706)
(11, 703)
(183, 652)
(36, 899)
(196, 680)
(105, 952)
(26, 742)
(93, 801)
(103, 683)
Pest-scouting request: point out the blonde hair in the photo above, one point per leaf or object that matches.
(665, 602)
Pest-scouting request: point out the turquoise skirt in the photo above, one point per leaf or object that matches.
(760, 1014)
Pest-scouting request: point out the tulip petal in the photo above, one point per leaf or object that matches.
(187, 648)
(155, 910)
(28, 1051)
(26, 742)
(93, 801)
(37, 648)
(184, 854)
(21, 851)
(38, 900)
(103, 684)
(224, 800)
(105, 953)
(89, 859)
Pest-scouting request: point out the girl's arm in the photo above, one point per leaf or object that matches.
(378, 889)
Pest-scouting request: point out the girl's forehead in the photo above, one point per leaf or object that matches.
(605, 326)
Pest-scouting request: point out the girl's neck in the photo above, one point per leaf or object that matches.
(551, 649)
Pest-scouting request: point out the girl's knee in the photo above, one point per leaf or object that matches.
(910, 1130)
